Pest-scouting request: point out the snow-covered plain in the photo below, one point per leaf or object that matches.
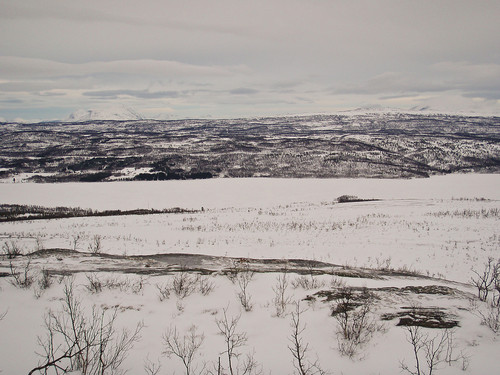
(244, 192)
(442, 227)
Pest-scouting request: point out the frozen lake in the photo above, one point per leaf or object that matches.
(251, 192)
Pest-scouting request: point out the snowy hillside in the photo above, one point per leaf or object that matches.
(111, 114)
(387, 145)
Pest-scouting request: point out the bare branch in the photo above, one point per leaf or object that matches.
(233, 339)
(435, 350)
(185, 348)
(299, 348)
(95, 246)
(77, 341)
(151, 368)
(281, 299)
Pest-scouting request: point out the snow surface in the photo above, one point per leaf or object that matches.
(438, 226)
(244, 192)
(443, 226)
(268, 335)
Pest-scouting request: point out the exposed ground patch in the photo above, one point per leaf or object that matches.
(430, 317)
(158, 264)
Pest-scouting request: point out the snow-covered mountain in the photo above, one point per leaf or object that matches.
(117, 114)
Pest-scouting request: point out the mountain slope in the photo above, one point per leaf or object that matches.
(112, 114)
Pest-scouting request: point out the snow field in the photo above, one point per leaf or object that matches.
(268, 335)
(436, 237)
(441, 227)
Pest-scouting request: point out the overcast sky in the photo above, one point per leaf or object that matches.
(232, 58)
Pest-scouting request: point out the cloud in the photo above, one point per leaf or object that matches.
(35, 10)
(394, 83)
(11, 101)
(467, 79)
(227, 57)
(159, 15)
(19, 67)
(474, 80)
(140, 94)
(51, 93)
(243, 91)
(486, 95)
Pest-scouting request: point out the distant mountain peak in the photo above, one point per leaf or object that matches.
(117, 114)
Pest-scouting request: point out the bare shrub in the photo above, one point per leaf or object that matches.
(383, 264)
(138, 286)
(240, 274)
(76, 341)
(44, 282)
(24, 278)
(151, 368)
(243, 279)
(281, 299)
(95, 285)
(299, 348)
(205, 285)
(39, 246)
(450, 358)
(430, 352)
(184, 284)
(233, 270)
(185, 348)
(11, 249)
(486, 281)
(249, 366)
(123, 284)
(164, 291)
(337, 283)
(237, 266)
(355, 325)
(234, 340)
(488, 289)
(75, 240)
(308, 281)
(95, 246)
(491, 317)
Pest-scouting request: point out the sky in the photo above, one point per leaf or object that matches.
(233, 58)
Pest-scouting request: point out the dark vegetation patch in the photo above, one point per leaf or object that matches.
(15, 212)
(426, 289)
(95, 177)
(173, 175)
(363, 293)
(347, 299)
(353, 199)
(430, 317)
